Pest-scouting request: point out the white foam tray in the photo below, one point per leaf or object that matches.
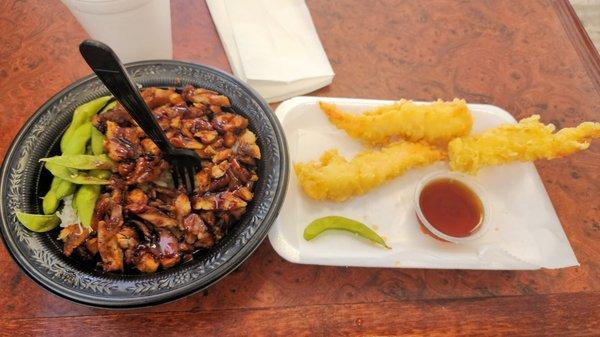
(525, 231)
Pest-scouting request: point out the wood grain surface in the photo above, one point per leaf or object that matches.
(524, 56)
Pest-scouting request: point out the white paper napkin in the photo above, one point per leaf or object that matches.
(272, 45)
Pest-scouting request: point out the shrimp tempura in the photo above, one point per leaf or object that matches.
(335, 178)
(435, 123)
(526, 141)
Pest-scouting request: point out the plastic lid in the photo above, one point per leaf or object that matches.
(105, 6)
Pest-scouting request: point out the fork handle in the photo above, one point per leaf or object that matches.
(109, 69)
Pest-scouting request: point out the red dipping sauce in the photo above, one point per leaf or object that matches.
(451, 207)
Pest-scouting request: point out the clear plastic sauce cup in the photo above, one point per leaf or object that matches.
(464, 181)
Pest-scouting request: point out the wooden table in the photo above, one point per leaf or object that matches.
(524, 56)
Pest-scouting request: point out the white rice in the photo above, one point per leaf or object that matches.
(67, 214)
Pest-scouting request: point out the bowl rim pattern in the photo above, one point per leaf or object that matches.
(29, 250)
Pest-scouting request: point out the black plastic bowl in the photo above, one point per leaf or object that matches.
(23, 182)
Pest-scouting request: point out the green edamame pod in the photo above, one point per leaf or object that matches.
(320, 225)
(102, 174)
(50, 201)
(81, 161)
(37, 222)
(64, 189)
(78, 140)
(82, 114)
(84, 202)
(97, 141)
(61, 188)
(74, 176)
(54, 184)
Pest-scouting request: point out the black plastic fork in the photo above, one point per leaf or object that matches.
(109, 69)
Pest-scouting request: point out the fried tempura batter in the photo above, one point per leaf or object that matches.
(526, 141)
(435, 123)
(337, 179)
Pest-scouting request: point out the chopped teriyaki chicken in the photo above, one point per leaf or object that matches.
(140, 220)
